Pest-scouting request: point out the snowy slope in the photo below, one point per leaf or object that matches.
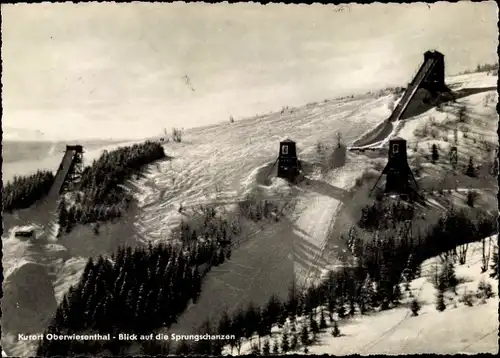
(221, 164)
(222, 158)
(217, 163)
(458, 329)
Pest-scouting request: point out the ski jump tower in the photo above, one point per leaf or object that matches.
(399, 177)
(69, 172)
(67, 177)
(430, 78)
(288, 164)
(434, 81)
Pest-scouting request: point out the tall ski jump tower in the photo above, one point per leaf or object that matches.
(66, 179)
(399, 177)
(430, 77)
(434, 81)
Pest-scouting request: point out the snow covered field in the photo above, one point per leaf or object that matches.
(220, 159)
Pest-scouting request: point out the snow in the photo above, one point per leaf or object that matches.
(220, 165)
(222, 160)
(458, 329)
(29, 302)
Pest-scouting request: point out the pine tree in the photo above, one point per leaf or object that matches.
(292, 302)
(335, 330)
(434, 154)
(462, 114)
(304, 335)
(367, 294)
(255, 350)
(341, 308)
(266, 348)
(418, 271)
(238, 328)
(272, 310)
(294, 343)
(205, 346)
(285, 344)
(224, 327)
(494, 264)
(182, 349)
(451, 278)
(322, 320)
(196, 284)
(471, 170)
(276, 347)
(252, 320)
(396, 293)
(385, 286)
(282, 317)
(331, 306)
(264, 326)
(471, 198)
(313, 326)
(440, 305)
(409, 271)
(415, 307)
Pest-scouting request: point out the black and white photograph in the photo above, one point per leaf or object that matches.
(224, 179)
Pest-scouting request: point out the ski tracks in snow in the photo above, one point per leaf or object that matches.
(218, 161)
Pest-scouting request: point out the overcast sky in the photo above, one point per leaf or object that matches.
(117, 70)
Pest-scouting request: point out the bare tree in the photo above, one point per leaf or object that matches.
(485, 254)
(176, 135)
(462, 254)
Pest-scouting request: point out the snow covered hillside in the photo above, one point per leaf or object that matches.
(212, 164)
(258, 267)
(221, 165)
(463, 327)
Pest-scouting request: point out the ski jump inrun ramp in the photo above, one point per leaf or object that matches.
(67, 164)
(422, 73)
(430, 72)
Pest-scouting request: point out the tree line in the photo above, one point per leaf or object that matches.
(140, 290)
(385, 215)
(100, 195)
(143, 290)
(136, 290)
(24, 191)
